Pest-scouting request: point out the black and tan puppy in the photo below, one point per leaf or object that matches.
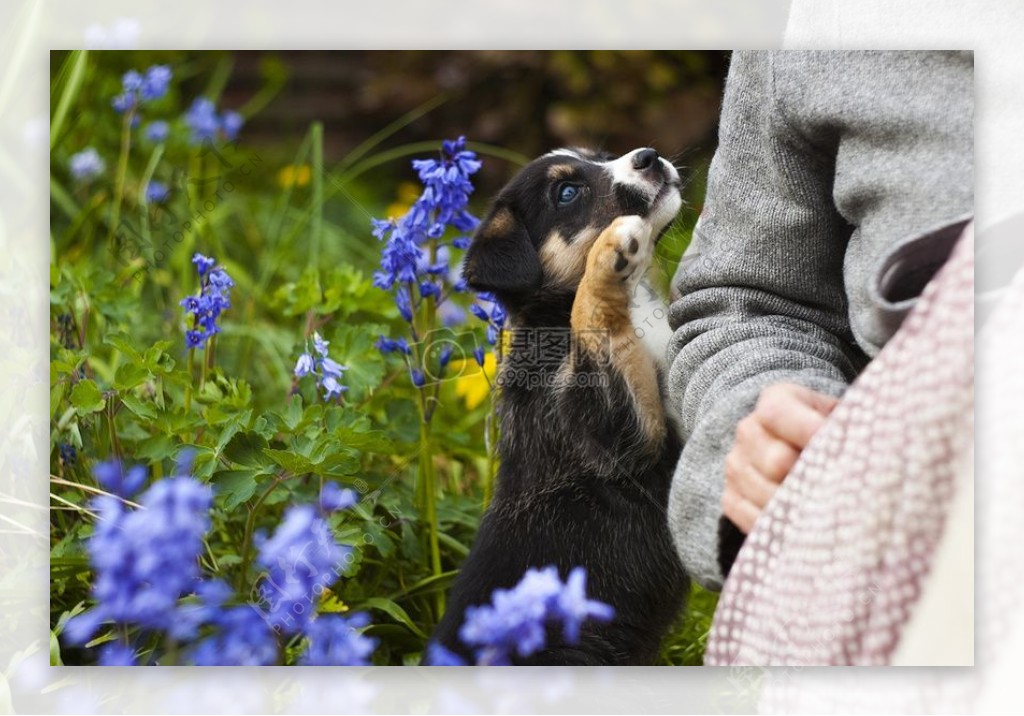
(587, 448)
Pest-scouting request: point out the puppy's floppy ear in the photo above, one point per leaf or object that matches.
(502, 258)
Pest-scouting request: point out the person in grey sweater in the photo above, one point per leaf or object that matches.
(840, 184)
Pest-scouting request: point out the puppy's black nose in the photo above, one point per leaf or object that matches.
(644, 159)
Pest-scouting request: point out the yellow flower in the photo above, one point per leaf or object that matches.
(292, 175)
(408, 193)
(474, 384)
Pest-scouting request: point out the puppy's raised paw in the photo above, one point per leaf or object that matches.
(623, 251)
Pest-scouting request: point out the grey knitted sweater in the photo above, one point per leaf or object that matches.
(837, 183)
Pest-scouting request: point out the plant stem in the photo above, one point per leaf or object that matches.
(205, 365)
(491, 440)
(115, 445)
(316, 225)
(122, 172)
(428, 484)
(250, 526)
(191, 374)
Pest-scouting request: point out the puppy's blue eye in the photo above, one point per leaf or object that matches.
(567, 193)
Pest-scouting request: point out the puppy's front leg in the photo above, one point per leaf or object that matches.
(601, 323)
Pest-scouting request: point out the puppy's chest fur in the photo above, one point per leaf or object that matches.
(648, 313)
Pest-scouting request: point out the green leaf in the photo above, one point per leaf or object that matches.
(124, 343)
(301, 296)
(87, 398)
(245, 449)
(56, 397)
(368, 440)
(236, 486)
(292, 414)
(55, 651)
(156, 448)
(295, 464)
(231, 428)
(204, 461)
(130, 375)
(395, 612)
(157, 360)
(142, 408)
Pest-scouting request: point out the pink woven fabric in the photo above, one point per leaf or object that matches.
(834, 566)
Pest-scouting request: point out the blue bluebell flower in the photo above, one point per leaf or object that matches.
(116, 653)
(145, 560)
(573, 607)
(301, 559)
(157, 131)
(403, 300)
(68, 454)
(203, 263)
(429, 288)
(328, 371)
(451, 314)
(136, 88)
(210, 597)
(445, 355)
(206, 125)
(438, 655)
(397, 345)
(304, 366)
(334, 498)
(332, 388)
(336, 641)
(243, 638)
(494, 316)
(87, 164)
(131, 81)
(156, 192)
(515, 623)
(194, 339)
(399, 262)
(156, 82)
(206, 308)
(122, 103)
(202, 119)
(112, 477)
(231, 123)
(419, 379)
(478, 356)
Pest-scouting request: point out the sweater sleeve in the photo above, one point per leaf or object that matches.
(760, 296)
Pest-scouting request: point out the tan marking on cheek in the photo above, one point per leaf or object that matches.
(501, 223)
(564, 263)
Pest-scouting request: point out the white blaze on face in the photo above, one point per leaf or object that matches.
(667, 203)
(622, 171)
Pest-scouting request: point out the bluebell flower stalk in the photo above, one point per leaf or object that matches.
(145, 560)
(416, 263)
(136, 89)
(148, 579)
(205, 309)
(328, 372)
(517, 621)
(416, 266)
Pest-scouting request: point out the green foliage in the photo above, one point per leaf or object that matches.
(301, 255)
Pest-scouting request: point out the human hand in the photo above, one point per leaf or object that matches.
(768, 443)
